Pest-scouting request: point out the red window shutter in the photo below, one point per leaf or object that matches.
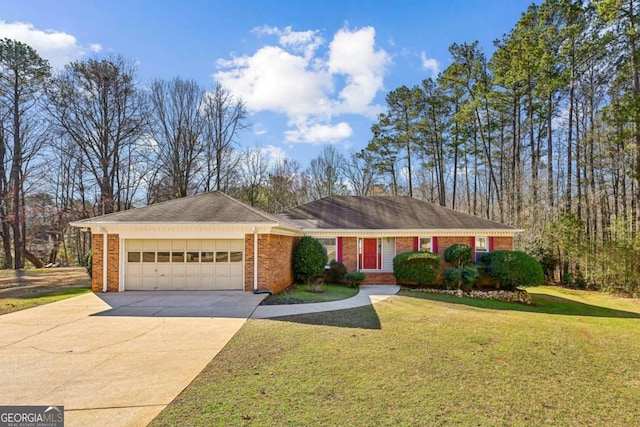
(339, 250)
(416, 244)
(434, 245)
(490, 244)
(473, 248)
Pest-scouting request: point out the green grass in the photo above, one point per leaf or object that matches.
(300, 294)
(8, 305)
(428, 359)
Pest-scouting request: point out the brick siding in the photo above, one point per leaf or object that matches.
(113, 262)
(404, 244)
(350, 253)
(275, 256)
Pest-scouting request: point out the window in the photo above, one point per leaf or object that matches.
(222, 256)
(177, 256)
(133, 256)
(425, 244)
(482, 248)
(193, 256)
(148, 257)
(206, 257)
(482, 244)
(236, 257)
(163, 256)
(330, 247)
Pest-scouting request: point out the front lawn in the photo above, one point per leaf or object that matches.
(28, 288)
(11, 304)
(428, 359)
(300, 294)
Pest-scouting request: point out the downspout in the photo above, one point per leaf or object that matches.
(105, 259)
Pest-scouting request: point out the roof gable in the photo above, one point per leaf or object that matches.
(213, 207)
(384, 213)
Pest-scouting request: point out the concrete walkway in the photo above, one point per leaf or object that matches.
(369, 294)
(115, 359)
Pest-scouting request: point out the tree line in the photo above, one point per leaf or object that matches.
(543, 134)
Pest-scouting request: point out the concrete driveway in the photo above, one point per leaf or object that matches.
(115, 359)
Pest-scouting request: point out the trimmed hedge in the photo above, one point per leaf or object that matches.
(460, 278)
(421, 268)
(354, 279)
(309, 259)
(458, 255)
(513, 268)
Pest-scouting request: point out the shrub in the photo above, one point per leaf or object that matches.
(421, 268)
(89, 263)
(451, 278)
(513, 268)
(336, 272)
(460, 278)
(309, 259)
(458, 255)
(469, 275)
(316, 285)
(354, 279)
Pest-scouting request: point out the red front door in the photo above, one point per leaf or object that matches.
(369, 254)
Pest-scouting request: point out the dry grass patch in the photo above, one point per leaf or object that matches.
(29, 288)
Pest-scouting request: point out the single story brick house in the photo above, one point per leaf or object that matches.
(212, 241)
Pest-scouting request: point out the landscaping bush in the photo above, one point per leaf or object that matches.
(458, 255)
(513, 268)
(451, 278)
(89, 263)
(460, 278)
(354, 279)
(336, 272)
(421, 268)
(309, 259)
(469, 276)
(316, 285)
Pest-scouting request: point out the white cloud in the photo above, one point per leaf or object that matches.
(308, 81)
(319, 133)
(430, 64)
(274, 153)
(259, 129)
(57, 47)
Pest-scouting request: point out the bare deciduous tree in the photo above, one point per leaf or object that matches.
(97, 106)
(225, 117)
(176, 123)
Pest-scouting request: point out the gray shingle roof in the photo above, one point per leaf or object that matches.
(384, 213)
(214, 207)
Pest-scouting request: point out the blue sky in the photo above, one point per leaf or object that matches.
(310, 73)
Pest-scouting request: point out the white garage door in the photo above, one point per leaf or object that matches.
(184, 264)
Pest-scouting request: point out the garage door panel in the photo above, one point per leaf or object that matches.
(193, 282)
(184, 264)
(193, 270)
(164, 245)
(149, 245)
(163, 282)
(235, 269)
(222, 270)
(135, 269)
(222, 245)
